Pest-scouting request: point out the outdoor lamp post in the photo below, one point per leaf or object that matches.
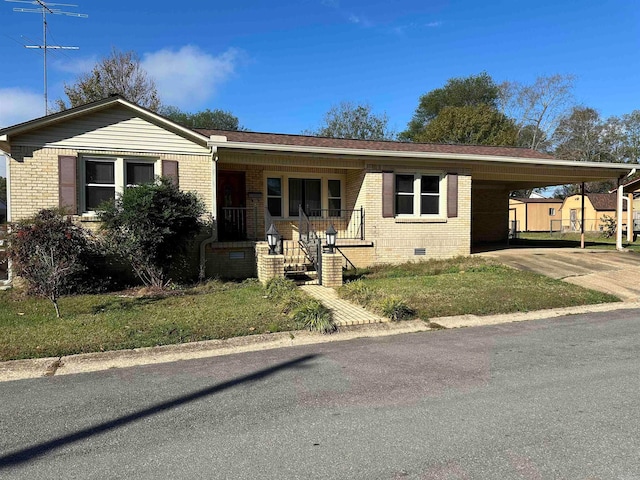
(272, 239)
(331, 237)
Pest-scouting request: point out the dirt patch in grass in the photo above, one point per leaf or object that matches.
(132, 319)
(465, 285)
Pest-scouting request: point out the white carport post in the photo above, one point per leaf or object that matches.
(619, 218)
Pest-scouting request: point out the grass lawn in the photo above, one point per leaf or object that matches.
(91, 323)
(465, 285)
(592, 240)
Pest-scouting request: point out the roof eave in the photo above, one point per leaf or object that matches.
(8, 132)
(356, 152)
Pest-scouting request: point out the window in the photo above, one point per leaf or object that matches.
(100, 182)
(417, 194)
(335, 198)
(322, 196)
(139, 173)
(552, 212)
(305, 192)
(274, 196)
(103, 178)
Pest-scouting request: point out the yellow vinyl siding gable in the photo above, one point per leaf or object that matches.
(116, 128)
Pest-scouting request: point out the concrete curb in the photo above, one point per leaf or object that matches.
(92, 362)
(460, 321)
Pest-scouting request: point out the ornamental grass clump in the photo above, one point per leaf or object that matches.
(315, 317)
(396, 309)
(358, 291)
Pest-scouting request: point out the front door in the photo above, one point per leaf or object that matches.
(573, 218)
(232, 215)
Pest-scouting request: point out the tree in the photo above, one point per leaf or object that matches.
(149, 225)
(469, 91)
(119, 73)
(471, 125)
(351, 120)
(580, 136)
(621, 136)
(631, 125)
(49, 251)
(537, 108)
(207, 119)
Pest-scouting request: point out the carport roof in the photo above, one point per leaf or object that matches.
(510, 167)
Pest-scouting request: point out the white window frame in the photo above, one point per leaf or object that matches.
(324, 190)
(267, 196)
(417, 195)
(119, 174)
(552, 211)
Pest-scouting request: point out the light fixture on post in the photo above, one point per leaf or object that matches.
(272, 239)
(331, 237)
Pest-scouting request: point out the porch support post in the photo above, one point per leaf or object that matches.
(269, 266)
(331, 270)
(582, 216)
(619, 218)
(630, 217)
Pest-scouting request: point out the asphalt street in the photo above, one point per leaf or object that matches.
(534, 400)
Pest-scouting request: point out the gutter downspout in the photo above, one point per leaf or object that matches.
(7, 156)
(619, 218)
(619, 211)
(214, 200)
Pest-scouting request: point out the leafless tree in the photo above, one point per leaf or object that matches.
(537, 108)
(119, 73)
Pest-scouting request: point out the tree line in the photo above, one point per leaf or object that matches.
(473, 110)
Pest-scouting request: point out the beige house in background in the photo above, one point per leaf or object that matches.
(389, 201)
(596, 206)
(534, 214)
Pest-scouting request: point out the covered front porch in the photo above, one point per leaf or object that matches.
(254, 192)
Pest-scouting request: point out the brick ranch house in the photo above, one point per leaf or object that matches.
(389, 201)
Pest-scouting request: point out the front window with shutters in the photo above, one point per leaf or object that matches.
(319, 197)
(104, 177)
(418, 194)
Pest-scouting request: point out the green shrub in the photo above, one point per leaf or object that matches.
(396, 309)
(150, 226)
(314, 316)
(609, 226)
(50, 252)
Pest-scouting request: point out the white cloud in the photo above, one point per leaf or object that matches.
(188, 77)
(18, 105)
(434, 24)
(360, 20)
(76, 66)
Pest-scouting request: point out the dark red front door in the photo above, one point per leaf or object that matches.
(232, 195)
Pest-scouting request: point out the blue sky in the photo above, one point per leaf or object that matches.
(280, 65)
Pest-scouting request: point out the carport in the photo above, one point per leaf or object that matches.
(493, 179)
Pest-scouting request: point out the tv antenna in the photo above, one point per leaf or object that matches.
(45, 9)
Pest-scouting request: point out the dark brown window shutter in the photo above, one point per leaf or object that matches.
(452, 195)
(387, 194)
(170, 170)
(67, 180)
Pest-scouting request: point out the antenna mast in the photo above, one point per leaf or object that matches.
(46, 8)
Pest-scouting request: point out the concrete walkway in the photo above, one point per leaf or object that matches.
(344, 313)
(608, 271)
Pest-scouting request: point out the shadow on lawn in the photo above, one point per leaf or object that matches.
(27, 454)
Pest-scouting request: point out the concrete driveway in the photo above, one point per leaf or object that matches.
(607, 271)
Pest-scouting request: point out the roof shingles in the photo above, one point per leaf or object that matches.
(307, 141)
